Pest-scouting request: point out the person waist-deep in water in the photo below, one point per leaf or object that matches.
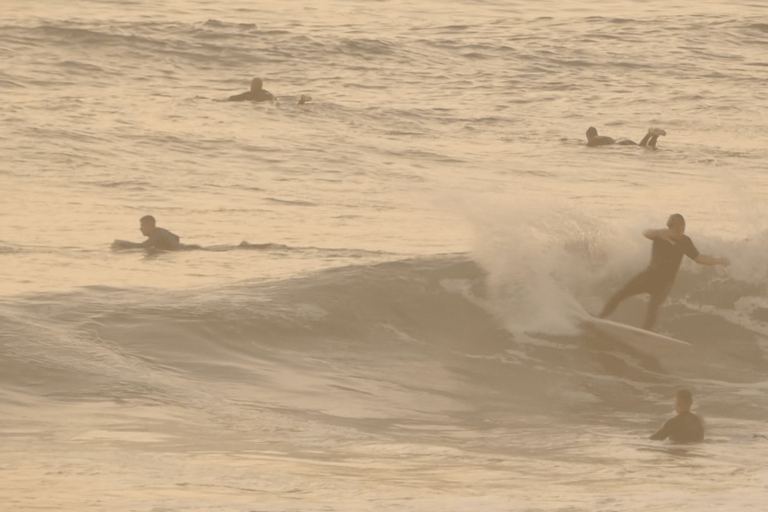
(669, 246)
(594, 140)
(259, 94)
(686, 427)
(157, 238)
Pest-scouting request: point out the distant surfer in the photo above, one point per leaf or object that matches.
(158, 238)
(259, 94)
(669, 246)
(686, 427)
(594, 140)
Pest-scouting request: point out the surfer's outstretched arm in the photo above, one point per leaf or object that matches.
(703, 259)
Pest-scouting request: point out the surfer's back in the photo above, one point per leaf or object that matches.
(686, 427)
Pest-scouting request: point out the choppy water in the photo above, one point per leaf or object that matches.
(409, 342)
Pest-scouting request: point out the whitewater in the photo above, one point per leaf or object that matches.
(400, 329)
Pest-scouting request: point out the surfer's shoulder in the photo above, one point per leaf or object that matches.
(240, 97)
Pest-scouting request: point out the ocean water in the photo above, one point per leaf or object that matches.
(410, 339)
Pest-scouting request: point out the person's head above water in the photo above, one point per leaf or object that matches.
(676, 223)
(257, 84)
(147, 225)
(683, 401)
(591, 133)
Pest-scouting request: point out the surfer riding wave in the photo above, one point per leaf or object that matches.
(669, 246)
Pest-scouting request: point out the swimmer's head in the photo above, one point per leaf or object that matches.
(591, 133)
(676, 223)
(147, 225)
(256, 84)
(683, 401)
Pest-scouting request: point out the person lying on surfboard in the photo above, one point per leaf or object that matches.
(158, 238)
(669, 246)
(686, 427)
(594, 140)
(258, 94)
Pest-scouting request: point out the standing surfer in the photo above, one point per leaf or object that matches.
(669, 246)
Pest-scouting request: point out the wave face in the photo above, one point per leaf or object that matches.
(394, 340)
(408, 365)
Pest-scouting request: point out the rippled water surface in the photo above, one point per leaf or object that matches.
(407, 342)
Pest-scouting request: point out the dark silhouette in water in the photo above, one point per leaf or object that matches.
(686, 427)
(158, 238)
(258, 94)
(594, 140)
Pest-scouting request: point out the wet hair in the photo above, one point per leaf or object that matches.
(591, 132)
(675, 217)
(148, 219)
(684, 397)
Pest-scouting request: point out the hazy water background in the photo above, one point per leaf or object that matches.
(410, 343)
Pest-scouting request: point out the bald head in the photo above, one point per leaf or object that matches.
(676, 219)
(256, 84)
(147, 225)
(676, 223)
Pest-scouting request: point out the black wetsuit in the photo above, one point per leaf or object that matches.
(162, 239)
(260, 95)
(603, 140)
(686, 427)
(657, 279)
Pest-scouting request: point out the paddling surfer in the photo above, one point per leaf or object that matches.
(669, 246)
(259, 94)
(686, 427)
(594, 140)
(158, 238)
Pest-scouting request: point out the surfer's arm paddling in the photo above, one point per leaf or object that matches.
(157, 238)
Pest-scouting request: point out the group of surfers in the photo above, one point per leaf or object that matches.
(668, 247)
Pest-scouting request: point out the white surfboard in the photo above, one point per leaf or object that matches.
(646, 341)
